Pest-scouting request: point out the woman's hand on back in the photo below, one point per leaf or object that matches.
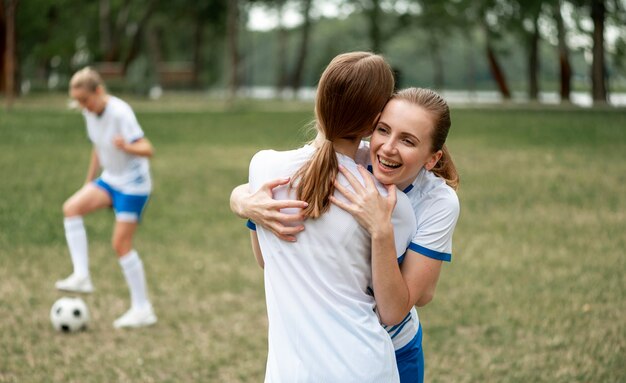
(366, 204)
(263, 210)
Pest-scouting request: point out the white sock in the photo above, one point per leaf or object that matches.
(76, 237)
(132, 267)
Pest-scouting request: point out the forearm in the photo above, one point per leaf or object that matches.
(238, 198)
(142, 148)
(256, 249)
(390, 289)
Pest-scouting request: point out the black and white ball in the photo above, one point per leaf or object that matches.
(69, 315)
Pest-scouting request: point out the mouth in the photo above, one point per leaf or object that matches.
(388, 163)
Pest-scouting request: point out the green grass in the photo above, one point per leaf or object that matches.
(536, 291)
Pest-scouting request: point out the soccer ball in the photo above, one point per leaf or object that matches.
(69, 315)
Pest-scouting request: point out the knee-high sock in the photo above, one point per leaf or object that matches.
(132, 267)
(76, 237)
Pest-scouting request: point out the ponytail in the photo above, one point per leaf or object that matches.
(351, 93)
(315, 180)
(446, 169)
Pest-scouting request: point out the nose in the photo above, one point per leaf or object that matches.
(388, 147)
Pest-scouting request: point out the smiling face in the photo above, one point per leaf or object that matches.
(402, 143)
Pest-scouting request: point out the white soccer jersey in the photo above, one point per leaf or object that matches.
(130, 174)
(322, 324)
(436, 208)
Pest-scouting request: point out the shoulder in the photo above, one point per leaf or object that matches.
(119, 107)
(270, 164)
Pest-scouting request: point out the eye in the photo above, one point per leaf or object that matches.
(408, 142)
(382, 129)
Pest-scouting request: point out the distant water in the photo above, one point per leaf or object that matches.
(454, 97)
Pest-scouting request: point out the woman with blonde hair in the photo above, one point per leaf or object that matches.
(121, 149)
(407, 149)
(322, 321)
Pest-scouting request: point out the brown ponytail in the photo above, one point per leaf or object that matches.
(438, 108)
(351, 93)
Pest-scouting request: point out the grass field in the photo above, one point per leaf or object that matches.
(536, 291)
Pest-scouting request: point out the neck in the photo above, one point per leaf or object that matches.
(102, 105)
(347, 147)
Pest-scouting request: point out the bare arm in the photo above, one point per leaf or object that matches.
(142, 147)
(256, 249)
(397, 289)
(260, 208)
(94, 166)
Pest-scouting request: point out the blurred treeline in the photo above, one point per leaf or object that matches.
(504, 45)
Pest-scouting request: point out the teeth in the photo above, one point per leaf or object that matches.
(391, 164)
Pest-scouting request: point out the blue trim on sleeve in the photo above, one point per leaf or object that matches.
(251, 225)
(401, 258)
(136, 139)
(398, 328)
(430, 253)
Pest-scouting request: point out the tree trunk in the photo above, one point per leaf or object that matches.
(303, 48)
(471, 64)
(598, 70)
(105, 25)
(437, 60)
(135, 43)
(198, 40)
(373, 14)
(3, 42)
(281, 54)
(9, 53)
(533, 61)
(565, 68)
(117, 34)
(233, 47)
(496, 71)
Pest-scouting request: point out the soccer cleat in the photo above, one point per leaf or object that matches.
(136, 318)
(75, 284)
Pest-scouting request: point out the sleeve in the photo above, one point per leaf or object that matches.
(404, 225)
(129, 126)
(255, 177)
(435, 228)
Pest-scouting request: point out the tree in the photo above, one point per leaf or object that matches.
(303, 47)
(233, 48)
(598, 66)
(565, 68)
(10, 7)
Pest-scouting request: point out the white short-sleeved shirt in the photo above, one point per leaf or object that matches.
(436, 209)
(322, 321)
(130, 174)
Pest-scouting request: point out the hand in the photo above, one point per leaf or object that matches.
(263, 210)
(119, 142)
(366, 205)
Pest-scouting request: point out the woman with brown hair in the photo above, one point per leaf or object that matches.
(407, 149)
(322, 321)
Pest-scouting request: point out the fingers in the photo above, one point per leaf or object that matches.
(356, 185)
(345, 206)
(286, 233)
(343, 190)
(288, 203)
(275, 183)
(367, 177)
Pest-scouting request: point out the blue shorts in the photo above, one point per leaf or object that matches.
(127, 207)
(410, 360)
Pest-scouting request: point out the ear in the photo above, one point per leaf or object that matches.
(432, 161)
